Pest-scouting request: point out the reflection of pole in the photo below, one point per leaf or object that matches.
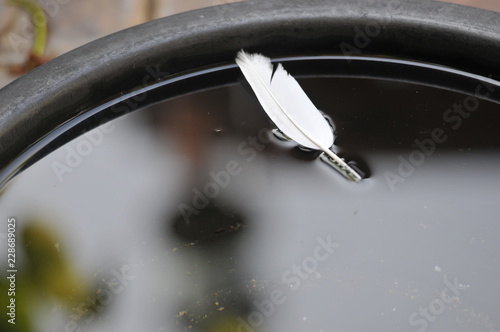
(216, 296)
(210, 244)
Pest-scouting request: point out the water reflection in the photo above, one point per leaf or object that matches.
(197, 219)
(208, 230)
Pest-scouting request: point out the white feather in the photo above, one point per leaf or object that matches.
(288, 106)
(285, 102)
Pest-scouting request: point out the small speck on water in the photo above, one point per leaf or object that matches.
(437, 268)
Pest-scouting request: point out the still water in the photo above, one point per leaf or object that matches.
(191, 215)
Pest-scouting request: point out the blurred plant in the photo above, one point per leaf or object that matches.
(40, 24)
(227, 324)
(50, 269)
(47, 273)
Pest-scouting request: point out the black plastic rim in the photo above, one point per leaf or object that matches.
(441, 33)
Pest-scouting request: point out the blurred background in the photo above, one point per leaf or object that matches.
(74, 23)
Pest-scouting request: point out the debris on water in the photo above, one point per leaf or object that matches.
(437, 268)
(220, 230)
